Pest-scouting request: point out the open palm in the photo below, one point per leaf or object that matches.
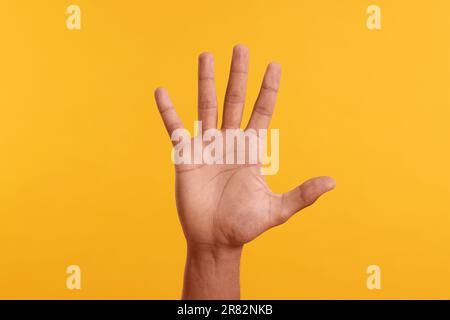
(231, 204)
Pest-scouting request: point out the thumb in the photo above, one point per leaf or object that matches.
(304, 195)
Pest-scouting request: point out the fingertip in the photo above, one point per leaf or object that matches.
(323, 183)
(240, 49)
(274, 67)
(159, 91)
(205, 56)
(329, 183)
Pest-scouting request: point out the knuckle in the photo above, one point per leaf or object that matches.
(206, 104)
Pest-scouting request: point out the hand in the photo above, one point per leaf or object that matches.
(223, 206)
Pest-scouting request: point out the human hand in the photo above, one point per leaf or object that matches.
(223, 206)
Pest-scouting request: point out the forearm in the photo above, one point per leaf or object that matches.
(212, 272)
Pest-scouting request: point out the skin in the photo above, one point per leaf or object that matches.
(223, 206)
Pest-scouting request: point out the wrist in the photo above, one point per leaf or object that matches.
(214, 252)
(212, 272)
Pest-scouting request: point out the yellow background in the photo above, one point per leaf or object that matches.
(85, 170)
